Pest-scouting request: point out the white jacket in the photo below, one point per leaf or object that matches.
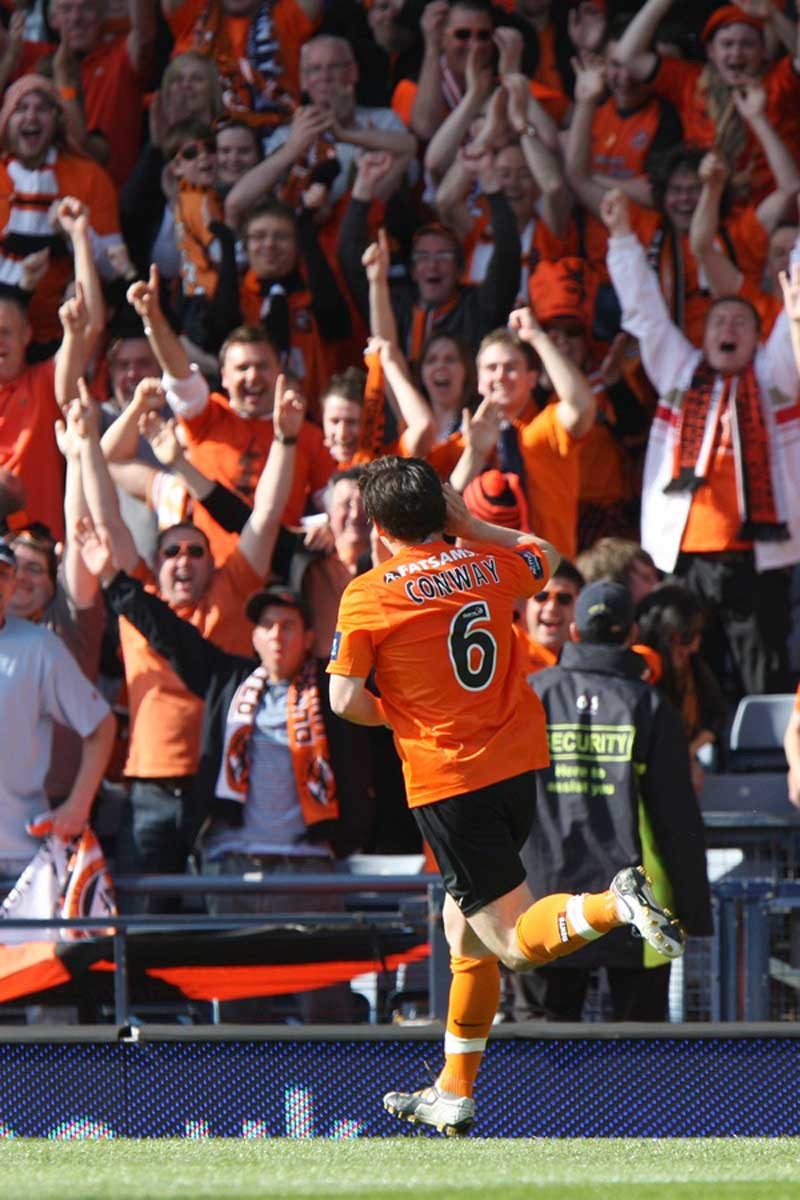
(670, 361)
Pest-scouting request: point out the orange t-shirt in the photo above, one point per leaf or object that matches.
(113, 95)
(435, 622)
(714, 519)
(768, 306)
(28, 412)
(552, 468)
(552, 471)
(165, 716)
(233, 450)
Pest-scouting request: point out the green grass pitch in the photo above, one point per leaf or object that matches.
(408, 1166)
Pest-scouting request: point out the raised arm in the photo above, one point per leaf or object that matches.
(590, 86)
(577, 407)
(724, 277)
(142, 17)
(420, 427)
(429, 110)
(120, 441)
(480, 431)
(790, 286)
(751, 104)
(543, 164)
(98, 487)
(257, 539)
(634, 47)
(83, 317)
(308, 124)
(79, 583)
(665, 350)
(450, 135)
(164, 342)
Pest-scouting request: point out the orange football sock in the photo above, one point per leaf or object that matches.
(559, 924)
(474, 997)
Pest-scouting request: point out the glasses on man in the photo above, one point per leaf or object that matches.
(562, 598)
(193, 150)
(191, 548)
(434, 256)
(477, 35)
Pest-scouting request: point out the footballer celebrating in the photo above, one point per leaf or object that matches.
(435, 624)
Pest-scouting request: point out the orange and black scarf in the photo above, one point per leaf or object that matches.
(250, 85)
(308, 744)
(697, 434)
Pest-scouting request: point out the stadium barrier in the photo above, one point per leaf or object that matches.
(536, 1081)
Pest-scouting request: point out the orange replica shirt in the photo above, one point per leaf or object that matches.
(233, 450)
(165, 716)
(435, 622)
(28, 412)
(112, 99)
(552, 468)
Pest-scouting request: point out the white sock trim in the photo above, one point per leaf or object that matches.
(577, 919)
(458, 1045)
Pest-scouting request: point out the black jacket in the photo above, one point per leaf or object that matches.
(214, 676)
(618, 792)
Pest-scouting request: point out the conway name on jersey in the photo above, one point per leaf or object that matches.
(435, 624)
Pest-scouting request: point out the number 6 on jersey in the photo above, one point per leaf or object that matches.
(473, 652)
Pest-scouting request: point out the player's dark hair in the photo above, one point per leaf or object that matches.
(404, 496)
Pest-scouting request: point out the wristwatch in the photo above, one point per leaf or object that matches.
(530, 131)
(285, 441)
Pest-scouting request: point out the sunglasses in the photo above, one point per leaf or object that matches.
(191, 151)
(190, 548)
(562, 598)
(479, 35)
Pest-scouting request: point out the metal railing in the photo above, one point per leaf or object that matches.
(427, 921)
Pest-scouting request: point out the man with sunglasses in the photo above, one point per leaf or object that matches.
(548, 616)
(617, 791)
(164, 811)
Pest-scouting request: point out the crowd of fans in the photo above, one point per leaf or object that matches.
(246, 246)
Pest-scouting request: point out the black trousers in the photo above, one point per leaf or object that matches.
(559, 993)
(747, 620)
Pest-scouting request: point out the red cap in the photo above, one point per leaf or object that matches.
(558, 289)
(499, 499)
(729, 14)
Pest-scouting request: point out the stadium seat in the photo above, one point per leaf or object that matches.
(756, 738)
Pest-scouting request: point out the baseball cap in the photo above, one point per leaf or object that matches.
(604, 612)
(7, 554)
(276, 593)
